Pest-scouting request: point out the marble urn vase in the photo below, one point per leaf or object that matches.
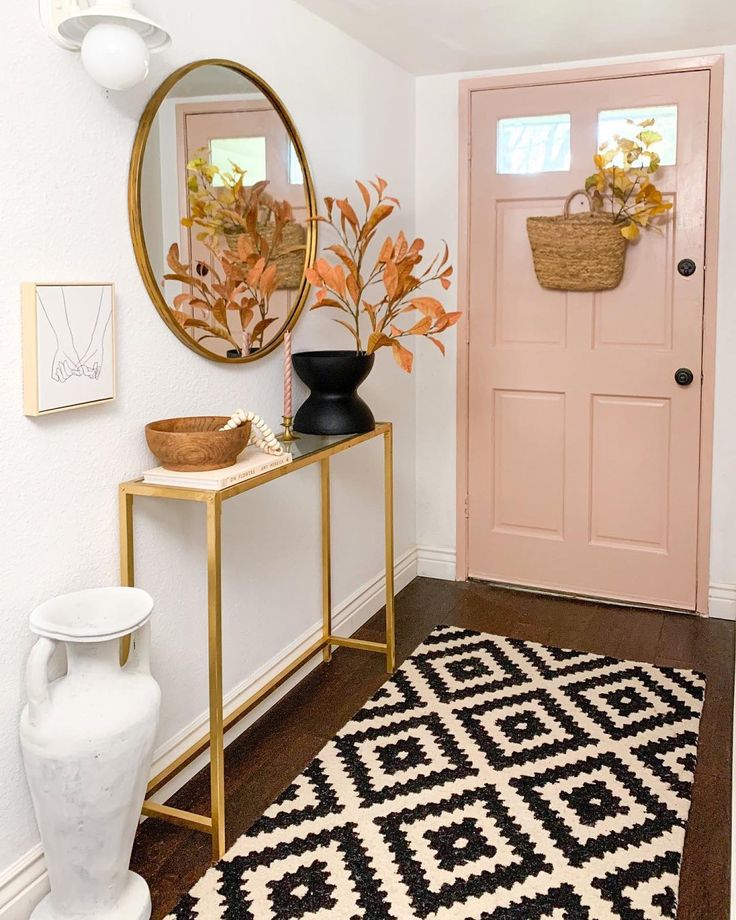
(87, 742)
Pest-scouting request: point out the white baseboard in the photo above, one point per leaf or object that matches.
(25, 883)
(436, 562)
(722, 601)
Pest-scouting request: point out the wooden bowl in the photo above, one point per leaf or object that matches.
(196, 444)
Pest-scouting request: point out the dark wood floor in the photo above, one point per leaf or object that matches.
(266, 758)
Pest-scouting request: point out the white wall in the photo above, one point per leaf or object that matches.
(66, 147)
(437, 217)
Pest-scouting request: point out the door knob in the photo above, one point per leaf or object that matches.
(686, 267)
(684, 376)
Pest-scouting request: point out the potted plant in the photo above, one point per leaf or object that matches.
(378, 288)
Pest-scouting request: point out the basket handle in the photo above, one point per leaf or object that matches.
(568, 200)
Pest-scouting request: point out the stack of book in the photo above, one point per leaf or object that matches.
(253, 462)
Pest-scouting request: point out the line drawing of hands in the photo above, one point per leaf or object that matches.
(92, 360)
(90, 364)
(66, 362)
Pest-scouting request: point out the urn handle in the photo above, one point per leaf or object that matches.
(37, 680)
(139, 658)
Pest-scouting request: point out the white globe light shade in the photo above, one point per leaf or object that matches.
(115, 56)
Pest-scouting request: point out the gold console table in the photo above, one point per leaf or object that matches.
(306, 451)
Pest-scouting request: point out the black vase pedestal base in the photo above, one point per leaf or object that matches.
(326, 414)
(333, 406)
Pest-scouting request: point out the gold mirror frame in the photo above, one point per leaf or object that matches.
(135, 212)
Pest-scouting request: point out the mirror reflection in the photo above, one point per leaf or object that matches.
(224, 202)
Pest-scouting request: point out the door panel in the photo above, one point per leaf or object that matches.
(523, 317)
(618, 317)
(629, 485)
(529, 436)
(583, 450)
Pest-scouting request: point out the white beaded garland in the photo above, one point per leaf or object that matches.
(261, 435)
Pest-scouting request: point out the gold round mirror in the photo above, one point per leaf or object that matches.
(220, 200)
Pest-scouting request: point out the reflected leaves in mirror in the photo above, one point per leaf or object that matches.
(221, 201)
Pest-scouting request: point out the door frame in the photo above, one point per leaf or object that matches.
(713, 63)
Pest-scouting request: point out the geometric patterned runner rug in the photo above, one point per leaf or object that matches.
(489, 779)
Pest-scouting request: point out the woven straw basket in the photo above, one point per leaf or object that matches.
(290, 265)
(577, 252)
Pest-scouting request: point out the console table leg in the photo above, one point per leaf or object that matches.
(214, 603)
(388, 455)
(326, 558)
(127, 563)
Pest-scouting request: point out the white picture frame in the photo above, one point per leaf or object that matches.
(68, 345)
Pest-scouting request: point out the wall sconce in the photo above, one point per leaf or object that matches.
(114, 39)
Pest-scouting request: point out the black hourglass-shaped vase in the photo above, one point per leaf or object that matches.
(333, 406)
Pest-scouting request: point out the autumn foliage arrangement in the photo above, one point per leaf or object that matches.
(622, 182)
(248, 235)
(379, 285)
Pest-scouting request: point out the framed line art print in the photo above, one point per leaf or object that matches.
(68, 346)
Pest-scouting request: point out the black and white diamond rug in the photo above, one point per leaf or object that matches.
(489, 779)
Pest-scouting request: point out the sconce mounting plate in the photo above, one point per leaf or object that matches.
(52, 12)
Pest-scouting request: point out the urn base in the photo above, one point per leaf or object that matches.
(134, 904)
(334, 406)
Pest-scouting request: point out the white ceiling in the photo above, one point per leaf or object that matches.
(440, 36)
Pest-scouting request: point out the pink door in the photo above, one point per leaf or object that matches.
(583, 450)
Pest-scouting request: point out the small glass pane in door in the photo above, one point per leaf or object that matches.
(618, 121)
(533, 144)
(249, 153)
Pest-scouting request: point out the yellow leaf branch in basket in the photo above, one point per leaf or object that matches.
(622, 183)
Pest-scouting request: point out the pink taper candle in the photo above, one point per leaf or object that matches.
(287, 374)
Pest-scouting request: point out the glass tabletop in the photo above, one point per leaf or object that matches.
(308, 444)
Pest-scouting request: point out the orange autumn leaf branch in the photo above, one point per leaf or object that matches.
(379, 291)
